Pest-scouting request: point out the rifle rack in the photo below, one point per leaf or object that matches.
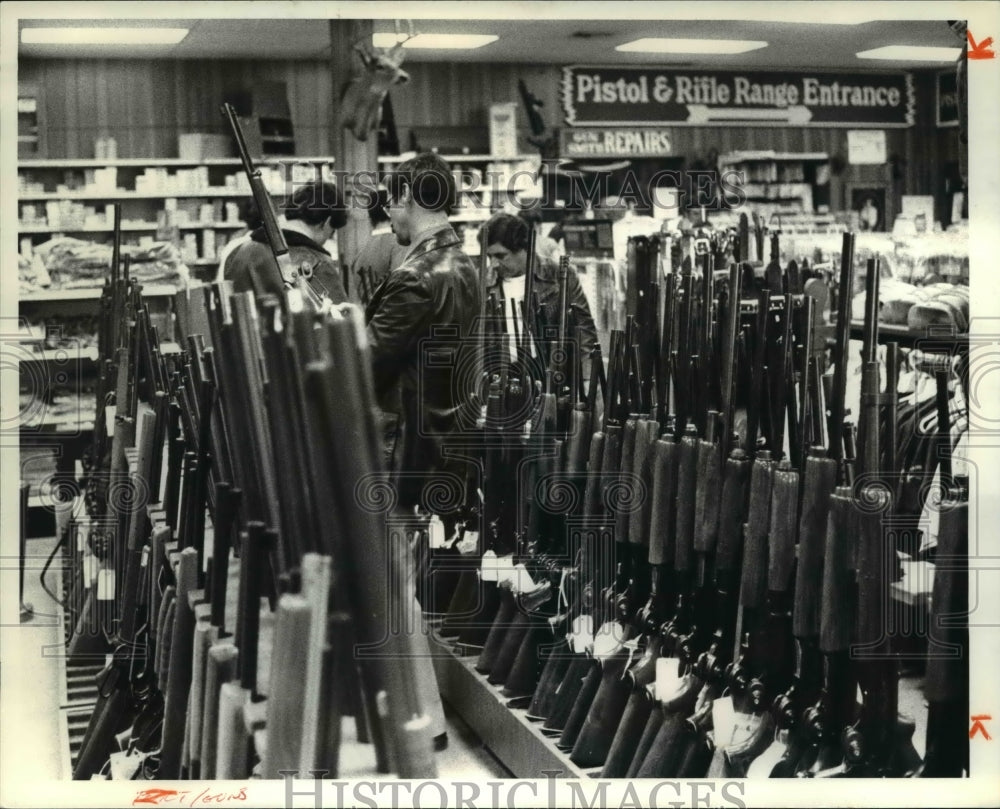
(518, 742)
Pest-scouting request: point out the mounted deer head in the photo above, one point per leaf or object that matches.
(362, 95)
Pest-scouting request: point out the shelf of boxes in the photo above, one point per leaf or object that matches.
(89, 354)
(91, 293)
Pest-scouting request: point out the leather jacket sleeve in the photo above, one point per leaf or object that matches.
(585, 326)
(406, 305)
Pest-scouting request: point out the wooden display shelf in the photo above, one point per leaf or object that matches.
(92, 293)
(89, 353)
(768, 156)
(124, 193)
(130, 226)
(467, 158)
(518, 742)
(157, 162)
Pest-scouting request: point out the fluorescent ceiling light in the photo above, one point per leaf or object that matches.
(714, 46)
(435, 41)
(102, 36)
(912, 53)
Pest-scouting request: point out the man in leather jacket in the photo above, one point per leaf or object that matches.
(420, 325)
(313, 213)
(507, 249)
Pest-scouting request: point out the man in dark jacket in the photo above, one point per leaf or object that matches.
(507, 249)
(417, 321)
(313, 213)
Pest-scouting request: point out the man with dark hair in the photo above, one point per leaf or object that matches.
(507, 250)
(434, 290)
(435, 287)
(313, 213)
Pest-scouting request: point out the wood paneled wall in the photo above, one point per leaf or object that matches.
(145, 104)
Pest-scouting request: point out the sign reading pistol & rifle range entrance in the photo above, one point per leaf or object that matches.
(650, 96)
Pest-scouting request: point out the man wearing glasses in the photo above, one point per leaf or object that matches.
(435, 287)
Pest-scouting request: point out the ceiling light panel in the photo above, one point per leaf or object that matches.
(102, 36)
(702, 46)
(911, 53)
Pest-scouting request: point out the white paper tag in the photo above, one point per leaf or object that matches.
(609, 640)
(668, 675)
(469, 543)
(581, 633)
(105, 585)
(521, 581)
(109, 418)
(505, 570)
(488, 567)
(435, 530)
(723, 720)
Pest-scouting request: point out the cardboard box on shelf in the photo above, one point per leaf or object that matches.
(200, 145)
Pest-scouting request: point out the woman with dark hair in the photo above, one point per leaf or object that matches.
(313, 213)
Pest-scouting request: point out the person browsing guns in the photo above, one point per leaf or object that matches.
(434, 291)
(507, 250)
(313, 213)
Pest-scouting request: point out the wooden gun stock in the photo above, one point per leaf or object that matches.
(819, 479)
(755, 561)
(736, 478)
(784, 525)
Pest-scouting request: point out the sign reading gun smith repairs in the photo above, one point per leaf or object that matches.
(644, 96)
(614, 142)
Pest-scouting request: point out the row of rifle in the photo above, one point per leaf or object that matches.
(694, 578)
(212, 671)
(252, 588)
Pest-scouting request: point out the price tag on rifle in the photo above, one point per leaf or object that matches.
(506, 574)
(469, 543)
(723, 720)
(521, 581)
(488, 567)
(109, 418)
(581, 633)
(105, 585)
(668, 676)
(435, 529)
(608, 641)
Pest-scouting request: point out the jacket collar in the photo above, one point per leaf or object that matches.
(437, 239)
(292, 237)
